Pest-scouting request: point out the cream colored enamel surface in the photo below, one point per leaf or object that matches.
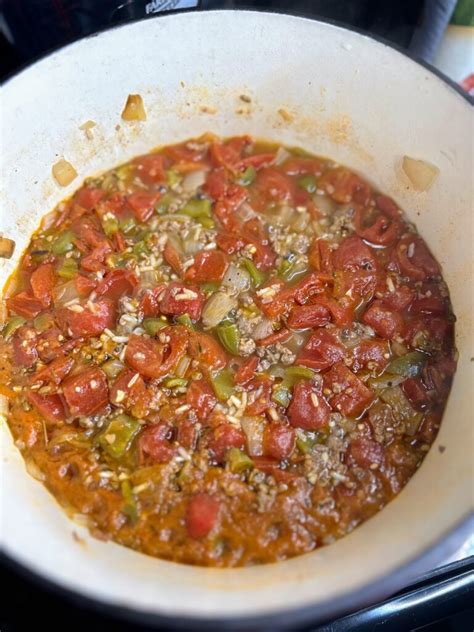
(350, 98)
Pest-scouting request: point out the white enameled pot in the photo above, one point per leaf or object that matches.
(345, 96)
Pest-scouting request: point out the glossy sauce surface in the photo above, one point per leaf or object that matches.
(226, 352)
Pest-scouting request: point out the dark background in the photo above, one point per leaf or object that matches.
(439, 601)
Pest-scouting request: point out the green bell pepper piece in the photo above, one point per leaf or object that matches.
(223, 384)
(42, 321)
(112, 368)
(68, 269)
(197, 208)
(173, 382)
(172, 178)
(256, 275)
(238, 461)
(63, 243)
(229, 336)
(117, 437)
(130, 508)
(110, 226)
(153, 325)
(128, 225)
(12, 325)
(206, 222)
(281, 396)
(408, 365)
(308, 183)
(247, 177)
(185, 320)
(294, 373)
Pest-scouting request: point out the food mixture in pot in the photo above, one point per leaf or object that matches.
(226, 352)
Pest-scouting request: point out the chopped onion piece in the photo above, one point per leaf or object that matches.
(217, 308)
(34, 471)
(134, 109)
(183, 366)
(296, 341)
(63, 172)
(253, 428)
(87, 129)
(420, 173)
(65, 293)
(193, 181)
(300, 223)
(263, 329)
(281, 156)
(236, 279)
(7, 246)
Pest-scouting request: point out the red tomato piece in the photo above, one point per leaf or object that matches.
(229, 153)
(273, 185)
(416, 393)
(154, 444)
(183, 152)
(178, 299)
(154, 359)
(435, 305)
(343, 186)
(151, 168)
(42, 282)
(278, 441)
(87, 392)
(415, 260)
(172, 258)
(217, 183)
(207, 351)
(88, 323)
(351, 396)
(366, 453)
(387, 206)
(117, 283)
(50, 407)
(224, 208)
(24, 343)
(224, 437)
(247, 370)
(400, 299)
(89, 197)
(354, 254)
(54, 373)
(89, 231)
(300, 166)
(94, 261)
(150, 302)
(377, 228)
(320, 255)
(308, 408)
(311, 285)
(321, 351)
(260, 393)
(187, 434)
(370, 353)
(257, 161)
(201, 398)
(277, 336)
(308, 316)
(385, 322)
(143, 203)
(51, 344)
(202, 514)
(230, 243)
(84, 285)
(24, 304)
(209, 266)
(129, 391)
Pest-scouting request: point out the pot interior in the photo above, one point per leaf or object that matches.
(313, 85)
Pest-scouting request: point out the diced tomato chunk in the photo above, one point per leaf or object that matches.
(88, 323)
(207, 351)
(260, 392)
(50, 407)
(366, 452)
(320, 255)
(89, 231)
(201, 515)
(151, 168)
(209, 266)
(351, 397)
(42, 282)
(278, 441)
(201, 398)
(84, 285)
(154, 359)
(321, 351)
(24, 304)
(415, 260)
(117, 283)
(343, 186)
(307, 316)
(224, 437)
(87, 392)
(273, 185)
(216, 184)
(416, 393)
(299, 166)
(154, 444)
(183, 152)
(143, 203)
(178, 299)
(88, 197)
(229, 153)
(172, 257)
(94, 261)
(129, 391)
(257, 161)
(187, 434)
(24, 343)
(385, 322)
(376, 227)
(400, 299)
(55, 372)
(371, 354)
(308, 408)
(247, 370)
(281, 335)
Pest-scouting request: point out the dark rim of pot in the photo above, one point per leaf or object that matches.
(312, 614)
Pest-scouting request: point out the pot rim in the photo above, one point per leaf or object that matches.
(373, 591)
(295, 14)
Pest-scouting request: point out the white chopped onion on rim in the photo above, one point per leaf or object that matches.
(420, 173)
